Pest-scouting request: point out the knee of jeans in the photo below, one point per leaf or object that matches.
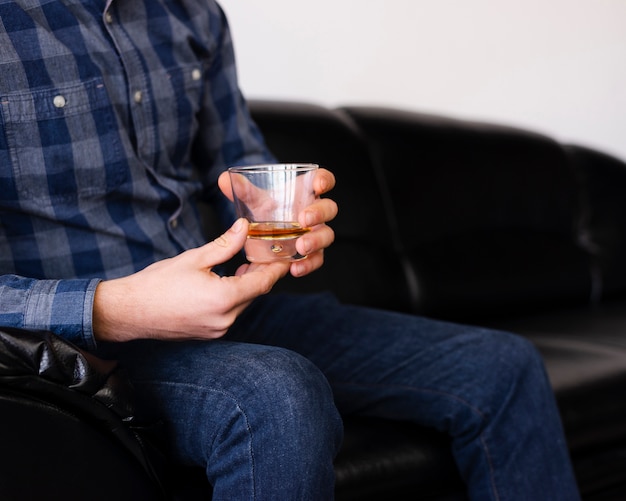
(498, 371)
(510, 363)
(293, 394)
(515, 354)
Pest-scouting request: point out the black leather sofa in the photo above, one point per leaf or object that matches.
(470, 222)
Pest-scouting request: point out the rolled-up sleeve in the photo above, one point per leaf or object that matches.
(63, 307)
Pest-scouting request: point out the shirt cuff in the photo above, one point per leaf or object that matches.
(64, 307)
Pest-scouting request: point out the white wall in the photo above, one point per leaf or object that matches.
(554, 66)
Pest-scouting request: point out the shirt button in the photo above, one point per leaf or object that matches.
(174, 224)
(138, 96)
(196, 74)
(108, 18)
(59, 101)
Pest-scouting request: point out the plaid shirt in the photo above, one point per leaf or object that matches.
(115, 118)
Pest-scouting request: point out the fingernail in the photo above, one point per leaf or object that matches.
(297, 269)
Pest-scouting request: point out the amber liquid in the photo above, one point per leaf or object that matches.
(273, 240)
(276, 230)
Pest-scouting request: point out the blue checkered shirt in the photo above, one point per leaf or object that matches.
(115, 118)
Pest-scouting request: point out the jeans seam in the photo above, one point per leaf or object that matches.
(483, 441)
(228, 395)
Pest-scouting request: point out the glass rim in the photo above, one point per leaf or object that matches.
(277, 167)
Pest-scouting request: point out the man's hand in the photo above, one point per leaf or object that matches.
(181, 298)
(313, 243)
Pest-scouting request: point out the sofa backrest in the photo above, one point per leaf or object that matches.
(489, 215)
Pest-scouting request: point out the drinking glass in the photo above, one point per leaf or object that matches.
(271, 197)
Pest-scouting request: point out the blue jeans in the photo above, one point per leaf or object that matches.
(260, 408)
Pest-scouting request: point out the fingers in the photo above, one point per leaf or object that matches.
(308, 265)
(317, 239)
(252, 280)
(324, 181)
(324, 209)
(225, 246)
(320, 212)
(312, 245)
(225, 186)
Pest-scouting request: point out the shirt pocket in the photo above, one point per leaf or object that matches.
(63, 142)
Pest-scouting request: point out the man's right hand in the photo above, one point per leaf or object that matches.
(181, 298)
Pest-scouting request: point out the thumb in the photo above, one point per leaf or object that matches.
(226, 245)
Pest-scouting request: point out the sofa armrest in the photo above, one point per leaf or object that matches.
(64, 408)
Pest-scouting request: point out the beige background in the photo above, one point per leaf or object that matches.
(554, 66)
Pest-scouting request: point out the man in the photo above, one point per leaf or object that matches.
(117, 117)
